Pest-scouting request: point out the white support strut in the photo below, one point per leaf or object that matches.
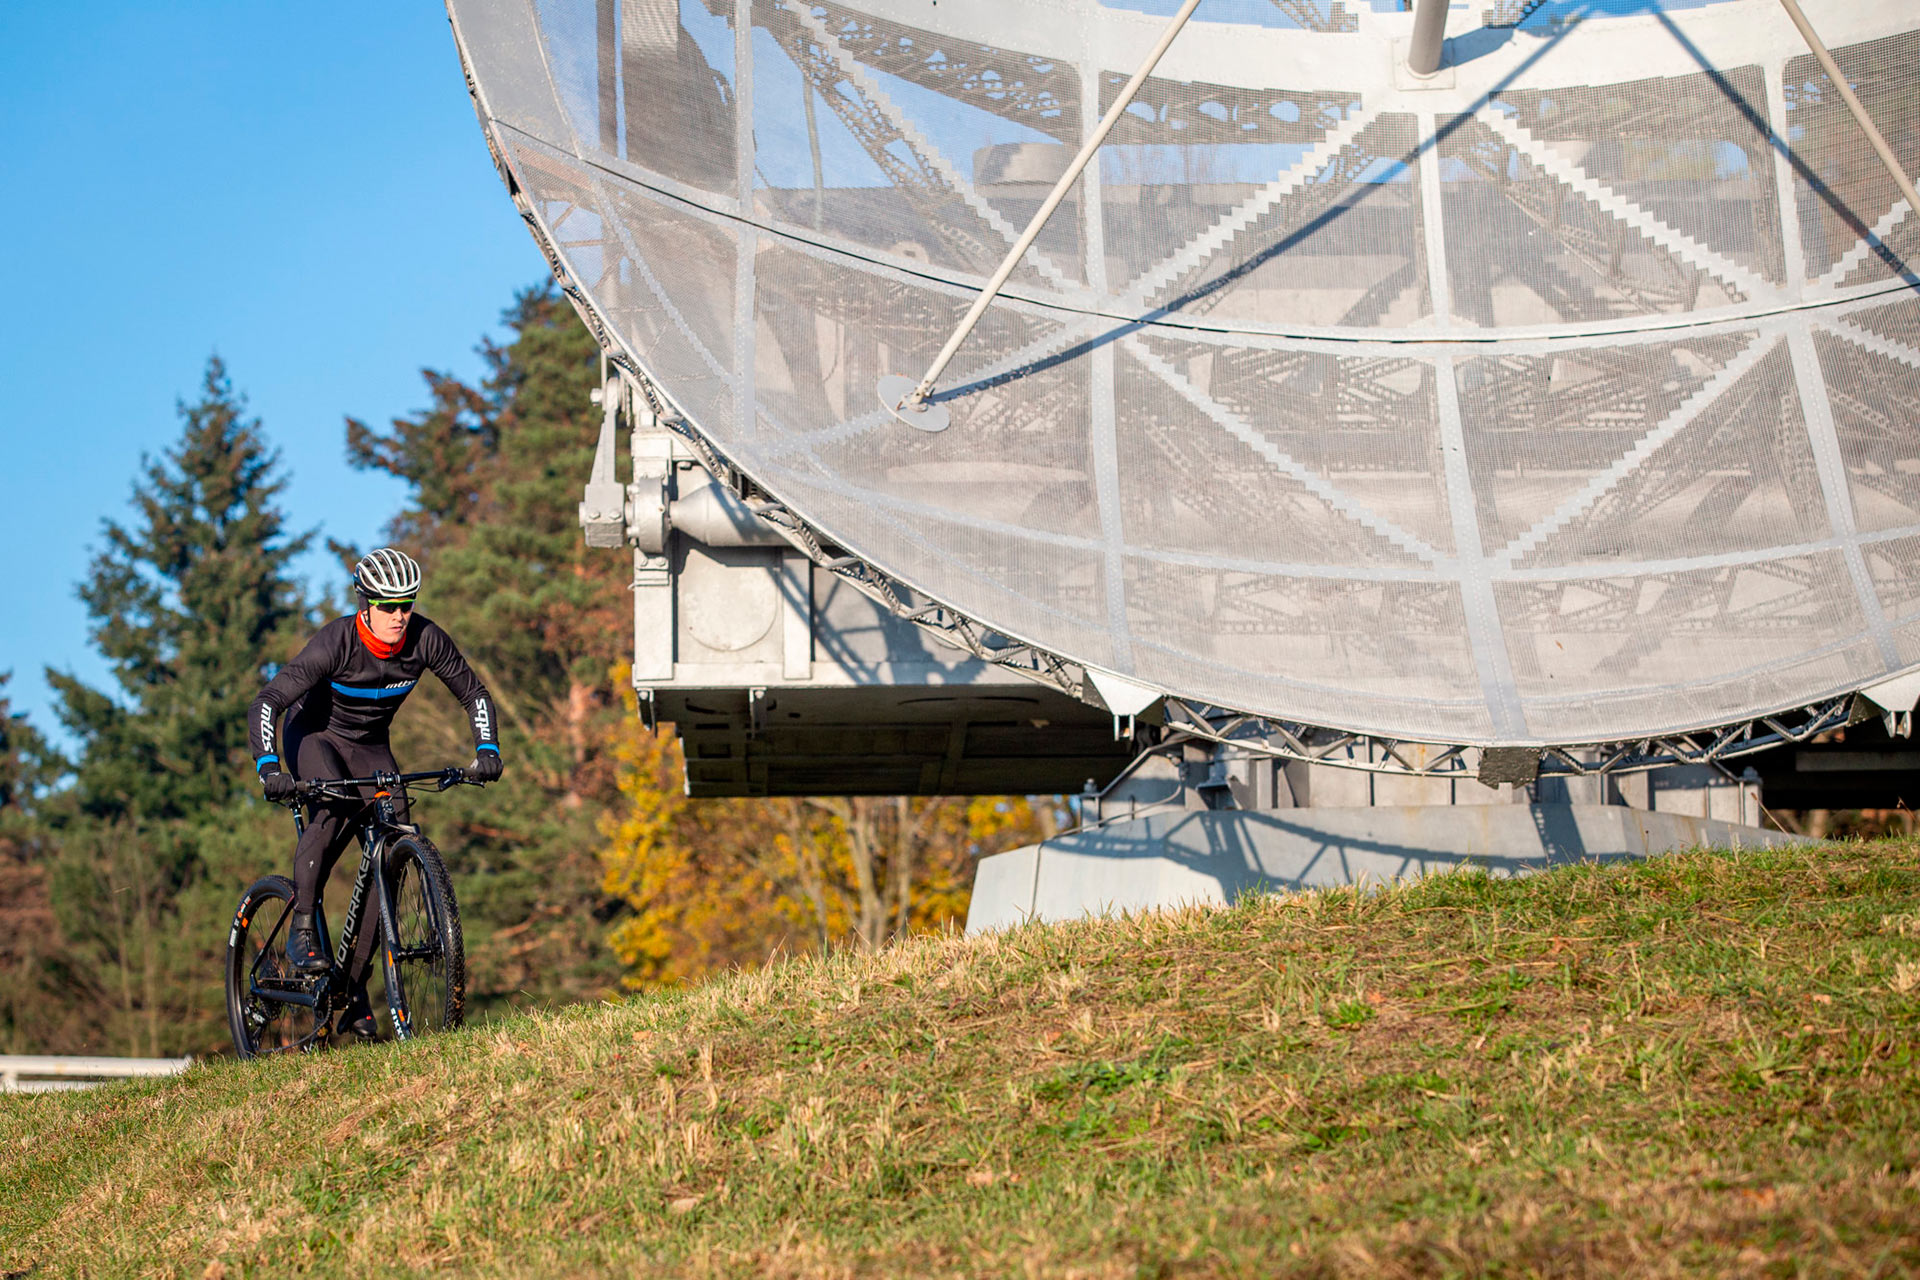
(1847, 95)
(1429, 41)
(924, 387)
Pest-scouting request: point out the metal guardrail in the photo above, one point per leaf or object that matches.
(28, 1073)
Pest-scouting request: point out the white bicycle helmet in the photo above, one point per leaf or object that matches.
(387, 574)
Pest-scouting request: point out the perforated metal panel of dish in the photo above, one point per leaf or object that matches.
(1570, 395)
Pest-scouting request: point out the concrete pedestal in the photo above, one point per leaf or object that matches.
(1213, 856)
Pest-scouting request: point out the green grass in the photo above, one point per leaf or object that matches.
(1700, 1065)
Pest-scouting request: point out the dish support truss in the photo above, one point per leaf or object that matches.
(1741, 309)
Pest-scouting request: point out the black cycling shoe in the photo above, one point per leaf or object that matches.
(356, 1021)
(303, 945)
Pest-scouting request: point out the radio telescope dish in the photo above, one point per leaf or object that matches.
(1565, 395)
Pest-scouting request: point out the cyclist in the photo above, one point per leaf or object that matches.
(339, 696)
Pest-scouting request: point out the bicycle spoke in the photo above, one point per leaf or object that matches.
(269, 944)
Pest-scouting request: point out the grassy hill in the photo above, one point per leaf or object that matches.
(1702, 1065)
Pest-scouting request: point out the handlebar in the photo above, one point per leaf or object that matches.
(336, 788)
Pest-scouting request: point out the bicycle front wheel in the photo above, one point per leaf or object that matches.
(257, 961)
(426, 965)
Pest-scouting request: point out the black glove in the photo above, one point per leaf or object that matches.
(486, 766)
(279, 786)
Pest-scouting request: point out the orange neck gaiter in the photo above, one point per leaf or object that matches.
(373, 642)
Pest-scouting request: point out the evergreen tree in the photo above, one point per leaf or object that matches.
(28, 1003)
(188, 605)
(27, 764)
(443, 453)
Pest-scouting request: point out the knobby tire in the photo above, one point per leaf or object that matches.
(257, 948)
(424, 956)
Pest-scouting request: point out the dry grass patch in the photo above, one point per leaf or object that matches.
(1701, 1065)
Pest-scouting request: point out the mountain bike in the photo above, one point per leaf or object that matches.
(402, 888)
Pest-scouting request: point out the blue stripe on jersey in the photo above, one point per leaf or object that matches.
(397, 691)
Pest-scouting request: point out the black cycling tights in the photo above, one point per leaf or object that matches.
(331, 823)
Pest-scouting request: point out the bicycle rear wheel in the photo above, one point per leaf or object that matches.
(257, 957)
(426, 964)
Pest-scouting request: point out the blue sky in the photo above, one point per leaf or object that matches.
(302, 189)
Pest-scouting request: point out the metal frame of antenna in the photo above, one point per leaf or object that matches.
(1373, 753)
(1288, 739)
(1265, 735)
(1193, 719)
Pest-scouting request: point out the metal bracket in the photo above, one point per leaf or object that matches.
(1895, 700)
(1215, 789)
(1406, 79)
(896, 397)
(1124, 698)
(603, 505)
(645, 512)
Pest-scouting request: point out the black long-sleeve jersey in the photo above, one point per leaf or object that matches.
(339, 685)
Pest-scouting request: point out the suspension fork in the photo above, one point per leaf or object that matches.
(389, 927)
(381, 829)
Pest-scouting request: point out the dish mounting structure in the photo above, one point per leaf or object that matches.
(1731, 302)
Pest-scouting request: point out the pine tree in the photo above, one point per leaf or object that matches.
(28, 1005)
(27, 764)
(443, 453)
(189, 603)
